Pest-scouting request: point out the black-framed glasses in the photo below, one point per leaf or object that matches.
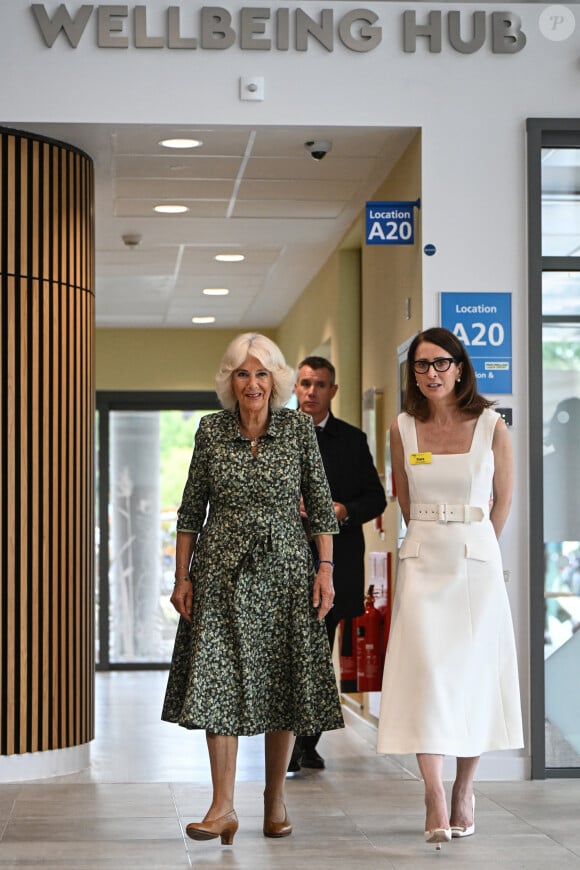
(440, 364)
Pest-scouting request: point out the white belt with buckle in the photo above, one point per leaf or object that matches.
(447, 513)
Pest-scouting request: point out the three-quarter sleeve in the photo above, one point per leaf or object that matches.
(191, 513)
(314, 486)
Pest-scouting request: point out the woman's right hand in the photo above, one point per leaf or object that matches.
(182, 598)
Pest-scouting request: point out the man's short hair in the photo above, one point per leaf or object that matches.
(319, 362)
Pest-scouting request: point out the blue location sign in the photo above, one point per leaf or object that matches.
(483, 322)
(390, 223)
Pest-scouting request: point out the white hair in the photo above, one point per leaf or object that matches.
(270, 356)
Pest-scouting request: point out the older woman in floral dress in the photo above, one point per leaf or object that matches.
(251, 654)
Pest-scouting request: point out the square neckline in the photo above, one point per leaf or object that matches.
(464, 453)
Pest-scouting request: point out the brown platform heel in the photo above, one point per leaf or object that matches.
(278, 829)
(224, 827)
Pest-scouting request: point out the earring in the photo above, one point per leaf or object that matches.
(458, 380)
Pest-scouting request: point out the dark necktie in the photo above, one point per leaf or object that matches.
(319, 430)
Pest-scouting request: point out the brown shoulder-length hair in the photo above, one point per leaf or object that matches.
(469, 401)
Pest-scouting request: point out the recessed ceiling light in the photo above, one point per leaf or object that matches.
(181, 143)
(171, 209)
(216, 291)
(203, 319)
(229, 258)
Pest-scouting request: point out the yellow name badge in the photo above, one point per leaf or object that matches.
(420, 458)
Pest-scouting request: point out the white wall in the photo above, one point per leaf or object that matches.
(471, 108)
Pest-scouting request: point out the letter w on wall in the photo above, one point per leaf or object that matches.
(73, 28)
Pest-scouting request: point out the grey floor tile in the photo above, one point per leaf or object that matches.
(100, 800)
(59, 829)
(168, 855)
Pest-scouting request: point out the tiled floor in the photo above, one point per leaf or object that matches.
(148, 779)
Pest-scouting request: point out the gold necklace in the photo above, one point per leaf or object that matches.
(253, 441)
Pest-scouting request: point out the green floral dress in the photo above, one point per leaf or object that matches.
(255, 657)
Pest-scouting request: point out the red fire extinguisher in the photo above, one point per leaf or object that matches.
(347, 654)
(369, 647)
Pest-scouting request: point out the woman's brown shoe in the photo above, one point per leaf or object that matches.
(224, 827)
(278, 829)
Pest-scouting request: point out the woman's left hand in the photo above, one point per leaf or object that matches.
(323, 594)
(182, 598)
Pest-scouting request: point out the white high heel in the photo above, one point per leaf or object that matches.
(465, 830)
(438, 836)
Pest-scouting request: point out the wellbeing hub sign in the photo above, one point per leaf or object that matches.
(273, 28)
(483, 323)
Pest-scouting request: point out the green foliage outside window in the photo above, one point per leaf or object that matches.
(561, 355)
(177, 433)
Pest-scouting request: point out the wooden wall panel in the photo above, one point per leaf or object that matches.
(46, 445)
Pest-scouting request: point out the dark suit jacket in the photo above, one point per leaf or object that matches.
(354, 482)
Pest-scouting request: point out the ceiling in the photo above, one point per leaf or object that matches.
(250, 190)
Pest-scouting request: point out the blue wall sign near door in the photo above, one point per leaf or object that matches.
(390, 223)
(483, 322)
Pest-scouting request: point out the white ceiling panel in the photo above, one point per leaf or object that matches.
(297, 189)
(221, 141)
(296, 168)
(176, 166)
(133, 320)
(174, 189)
(197, 260)
(145, 208)
(139, 261)
(280, 210)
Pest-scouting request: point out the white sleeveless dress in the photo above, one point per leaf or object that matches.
(450, 683)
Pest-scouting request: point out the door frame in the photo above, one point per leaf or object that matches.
(541, 133)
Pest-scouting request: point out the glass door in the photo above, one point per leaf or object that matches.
(561, 479)
(144, 455)
(554, 331)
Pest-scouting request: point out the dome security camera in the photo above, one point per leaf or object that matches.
(318, 148)
(131, 240)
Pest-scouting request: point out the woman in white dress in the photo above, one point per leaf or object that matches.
(450, 683)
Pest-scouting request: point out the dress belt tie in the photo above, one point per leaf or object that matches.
(448, 513)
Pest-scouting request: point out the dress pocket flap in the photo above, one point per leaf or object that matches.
(477, 550)
(409, 550)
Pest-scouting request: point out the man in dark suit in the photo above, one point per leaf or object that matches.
(358, 496)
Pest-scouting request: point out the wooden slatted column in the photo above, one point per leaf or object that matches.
(46, 438)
